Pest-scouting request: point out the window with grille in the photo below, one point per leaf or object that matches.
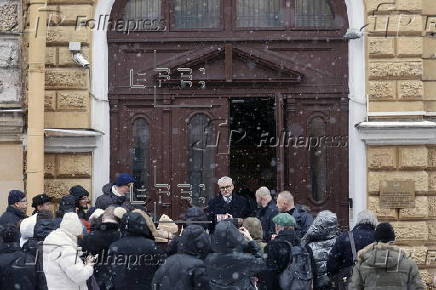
(140, 157)
(258, 13)
(201, 158)
(197, 13)
(318, 161)
(313, 13)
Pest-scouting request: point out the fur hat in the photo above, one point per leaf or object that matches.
(40, 199)
(166, 230)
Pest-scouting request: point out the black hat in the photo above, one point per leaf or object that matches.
(15, 195)
(40, 199)
(78, 191)
(67, 204)
(10, 234)
(384, 233)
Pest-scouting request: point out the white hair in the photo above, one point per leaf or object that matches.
(366, 217)
(263, 192)
(225, 180)
(287, 196)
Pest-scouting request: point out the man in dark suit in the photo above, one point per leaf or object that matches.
(267, 211)
(227, 205)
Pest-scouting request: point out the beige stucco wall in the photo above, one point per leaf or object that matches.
(11, 168)
(67, 97)
(401, 77)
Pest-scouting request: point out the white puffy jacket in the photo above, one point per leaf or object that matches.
(26, 228)
(63, 268)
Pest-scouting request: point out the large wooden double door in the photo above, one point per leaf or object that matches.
(177, 151)
(256, 92)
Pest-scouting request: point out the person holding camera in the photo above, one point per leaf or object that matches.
(62, 265)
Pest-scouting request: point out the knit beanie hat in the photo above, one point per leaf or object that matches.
(15, 196)
(71, 224)
(285, 220)
(384, 233)
(124, 179)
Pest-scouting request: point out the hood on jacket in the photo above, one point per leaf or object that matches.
(324, 227)
(134, 223)
(107, 189)
(194, 241)
(227, 238)
(71, 224)
(381, 255)
(27, 227)
(67, 204)
(43, 228)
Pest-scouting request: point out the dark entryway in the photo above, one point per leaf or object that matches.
(252, 164)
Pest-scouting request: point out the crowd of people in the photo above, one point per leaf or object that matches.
(227, 246)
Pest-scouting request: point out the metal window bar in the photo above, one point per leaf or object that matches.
(314, 13)
(258, 13)
(197, 13)
(142, 10)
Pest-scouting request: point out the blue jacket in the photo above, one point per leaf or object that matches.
(303, 218)
(341, 255)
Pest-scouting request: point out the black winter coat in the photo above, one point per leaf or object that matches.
(341, 255)
(98, 242)
(135, 257)
(265, 215)
(239, 207)
(34, 247)
(12, 216)
(186, 270)
(17, 269)
(191, 214)
(228, 267)
(278, 257)
(109, 198)
(303, 218)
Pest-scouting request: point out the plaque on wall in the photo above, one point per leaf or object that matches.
(397, 194)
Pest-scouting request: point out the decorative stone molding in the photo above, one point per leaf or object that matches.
(70, 141)
(398, 133)
(11, 125)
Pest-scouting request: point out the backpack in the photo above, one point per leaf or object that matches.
(298, 273)
(342, 280)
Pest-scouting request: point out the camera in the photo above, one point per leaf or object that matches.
(79, 59)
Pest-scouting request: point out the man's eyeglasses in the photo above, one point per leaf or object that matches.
(225, 187)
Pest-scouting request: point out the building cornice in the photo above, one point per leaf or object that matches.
(398, 133)
(70, 140)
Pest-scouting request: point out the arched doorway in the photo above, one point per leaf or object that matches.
(185, 80)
